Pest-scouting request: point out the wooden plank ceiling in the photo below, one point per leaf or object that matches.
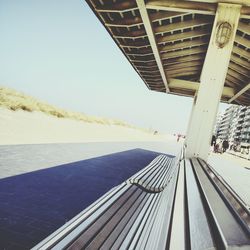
(166, 43)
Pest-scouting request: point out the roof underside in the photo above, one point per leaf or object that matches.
(171, 58)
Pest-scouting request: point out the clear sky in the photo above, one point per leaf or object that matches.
(59, 52)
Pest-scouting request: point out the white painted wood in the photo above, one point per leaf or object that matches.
(245, 28)
(197, 6)
(241, 2)
(179, 36)
(185, 52)
(151, 37)
(190, 121)
(212, 82)
(242, 91)
(183, 84)
(177, 240)
(169, 5)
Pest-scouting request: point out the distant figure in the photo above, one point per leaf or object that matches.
(216, 148)
(213, 142)
(225, 145)
(178, 137)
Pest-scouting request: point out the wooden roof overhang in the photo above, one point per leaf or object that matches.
(166, 42)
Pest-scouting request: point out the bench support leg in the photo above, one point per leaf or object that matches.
(212, 81)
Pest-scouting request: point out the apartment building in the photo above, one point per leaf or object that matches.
(225, 125)
(234, 125)
(245, 132)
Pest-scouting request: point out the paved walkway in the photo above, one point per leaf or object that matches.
(18, 159)
(45, 180)
(235, 171)
(35, 204)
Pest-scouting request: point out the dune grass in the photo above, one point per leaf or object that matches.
(14, 100)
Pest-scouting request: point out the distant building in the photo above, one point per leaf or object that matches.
(233, 135)
(225, 126)
(245, 132)
(218, 122)
(234, 125)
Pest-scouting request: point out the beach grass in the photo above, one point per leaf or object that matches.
(14, 100)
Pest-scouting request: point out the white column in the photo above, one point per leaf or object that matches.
(211, 83)
(191, 116)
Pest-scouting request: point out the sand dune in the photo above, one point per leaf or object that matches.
(22, 127)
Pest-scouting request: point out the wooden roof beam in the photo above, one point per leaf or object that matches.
(240, 61)
(182, 25)
(152, 75)
(187, 69)
(183, 84)
(185, 73)
(160, 16)
(184, 45)
(240, 2)
(151, 79)
(140, 33)
(239, 69)
(134, 21)
(241, 92)
(230, 84)
(236, 74)
(155, 84)
(197, 6)
(185, 52)
(245, 28)
(184, 59)
(184, 65)
(233, 79)
(131, 22)
(183, 6)
(241, 52)
(243, 41)
(182, 36)
(146, 64)
(148, 27)
(117, 7)
(145, 70)
(131, 43)
(139, 53)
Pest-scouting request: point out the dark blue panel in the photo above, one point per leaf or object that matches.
(33, 205)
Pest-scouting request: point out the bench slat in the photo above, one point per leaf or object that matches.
(231, 231)
(199, 228)
(167, 205)
(178, 230)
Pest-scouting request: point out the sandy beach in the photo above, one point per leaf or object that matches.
(22, 127)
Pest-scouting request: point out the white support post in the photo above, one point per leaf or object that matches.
(212, 81)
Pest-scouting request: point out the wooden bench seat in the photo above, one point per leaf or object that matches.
(170, 204)
(156, 175)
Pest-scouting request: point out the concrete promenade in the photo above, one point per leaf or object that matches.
(36, 203)
(235, 171)
(40, 183)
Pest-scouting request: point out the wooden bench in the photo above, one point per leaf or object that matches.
(156, 175)
(170, 204)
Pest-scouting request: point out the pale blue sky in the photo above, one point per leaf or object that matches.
(59, 52)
